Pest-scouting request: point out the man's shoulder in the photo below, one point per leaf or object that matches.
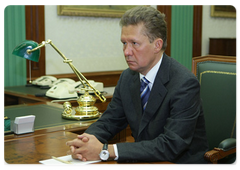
(179, 68)
(176, 72)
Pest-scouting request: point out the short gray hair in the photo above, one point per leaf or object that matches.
(153, 20)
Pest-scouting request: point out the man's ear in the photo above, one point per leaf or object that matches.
(158, 43)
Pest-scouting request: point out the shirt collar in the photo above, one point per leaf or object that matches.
(150, 76)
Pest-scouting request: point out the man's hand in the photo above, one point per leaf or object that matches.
(86, 147)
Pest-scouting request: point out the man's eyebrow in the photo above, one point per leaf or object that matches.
(131, 40)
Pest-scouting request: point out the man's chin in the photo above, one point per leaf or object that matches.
(133, 68)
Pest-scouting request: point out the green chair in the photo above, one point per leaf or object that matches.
(217, 78)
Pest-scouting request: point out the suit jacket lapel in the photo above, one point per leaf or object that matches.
(135, 93)
(157, 94)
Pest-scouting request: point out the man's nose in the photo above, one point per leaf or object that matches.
(127, 50)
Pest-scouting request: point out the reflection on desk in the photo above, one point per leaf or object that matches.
(31, 150)
(26, 95)
(48, 119)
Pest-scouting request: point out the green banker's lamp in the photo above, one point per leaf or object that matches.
(86, 109)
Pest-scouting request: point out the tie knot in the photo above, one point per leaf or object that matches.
(145, 80)
(144, 83)
(144, 92)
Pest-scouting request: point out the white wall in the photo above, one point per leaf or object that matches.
(214, 27)
(92, 43)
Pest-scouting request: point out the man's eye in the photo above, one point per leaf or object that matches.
(134, 43)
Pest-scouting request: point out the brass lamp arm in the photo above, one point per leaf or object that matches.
(78, 73)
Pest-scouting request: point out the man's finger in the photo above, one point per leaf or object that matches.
(75, 142)
(72, 148)
(84, 137)
(79, 156)
(84, 159)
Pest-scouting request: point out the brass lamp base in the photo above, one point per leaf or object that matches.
(78, 117)
(84, 111)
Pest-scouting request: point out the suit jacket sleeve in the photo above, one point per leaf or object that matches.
(112, 121)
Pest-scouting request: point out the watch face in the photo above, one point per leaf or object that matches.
(104, 155)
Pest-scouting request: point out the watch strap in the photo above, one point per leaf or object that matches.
(105, 146)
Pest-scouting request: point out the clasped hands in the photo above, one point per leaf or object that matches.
(85, 147)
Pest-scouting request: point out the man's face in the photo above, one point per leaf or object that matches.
(140, 54)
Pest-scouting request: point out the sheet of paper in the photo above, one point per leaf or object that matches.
(66, 158)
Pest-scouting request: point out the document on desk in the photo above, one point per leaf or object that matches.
(66, 160)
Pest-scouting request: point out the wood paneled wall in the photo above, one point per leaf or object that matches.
(35, 30)
(109, 78)
(222, 46)
(167, 10)
(197, 31)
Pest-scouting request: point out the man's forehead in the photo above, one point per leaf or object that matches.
(132, 30)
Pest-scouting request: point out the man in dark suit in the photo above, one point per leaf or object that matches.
(169, 125)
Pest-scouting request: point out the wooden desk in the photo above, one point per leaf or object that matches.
(31, 150)
(48, 119)
(25, 95)
(115, 162)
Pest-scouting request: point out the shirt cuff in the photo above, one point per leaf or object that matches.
(115, 151)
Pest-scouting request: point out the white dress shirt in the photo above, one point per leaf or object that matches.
(150, 76)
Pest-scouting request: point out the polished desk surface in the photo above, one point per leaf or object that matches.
(48, 118)
(28, 94)
(35, 92)
(32, 149)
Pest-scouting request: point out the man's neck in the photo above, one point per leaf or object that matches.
(153, 72)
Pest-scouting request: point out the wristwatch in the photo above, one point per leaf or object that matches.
(104, 154)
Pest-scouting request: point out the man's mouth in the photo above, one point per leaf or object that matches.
(130, 62)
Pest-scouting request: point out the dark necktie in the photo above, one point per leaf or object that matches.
(144, 92)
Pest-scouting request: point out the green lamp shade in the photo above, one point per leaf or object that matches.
(21, 50)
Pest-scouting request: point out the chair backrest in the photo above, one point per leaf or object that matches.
(217, 77)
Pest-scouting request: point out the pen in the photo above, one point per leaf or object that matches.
(66, 162)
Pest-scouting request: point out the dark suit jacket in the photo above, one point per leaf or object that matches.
(172, 127)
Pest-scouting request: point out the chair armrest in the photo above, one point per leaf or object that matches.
(227, 144)
(226, 147)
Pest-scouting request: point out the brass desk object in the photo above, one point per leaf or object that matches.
(31, 50)
(84, 111)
